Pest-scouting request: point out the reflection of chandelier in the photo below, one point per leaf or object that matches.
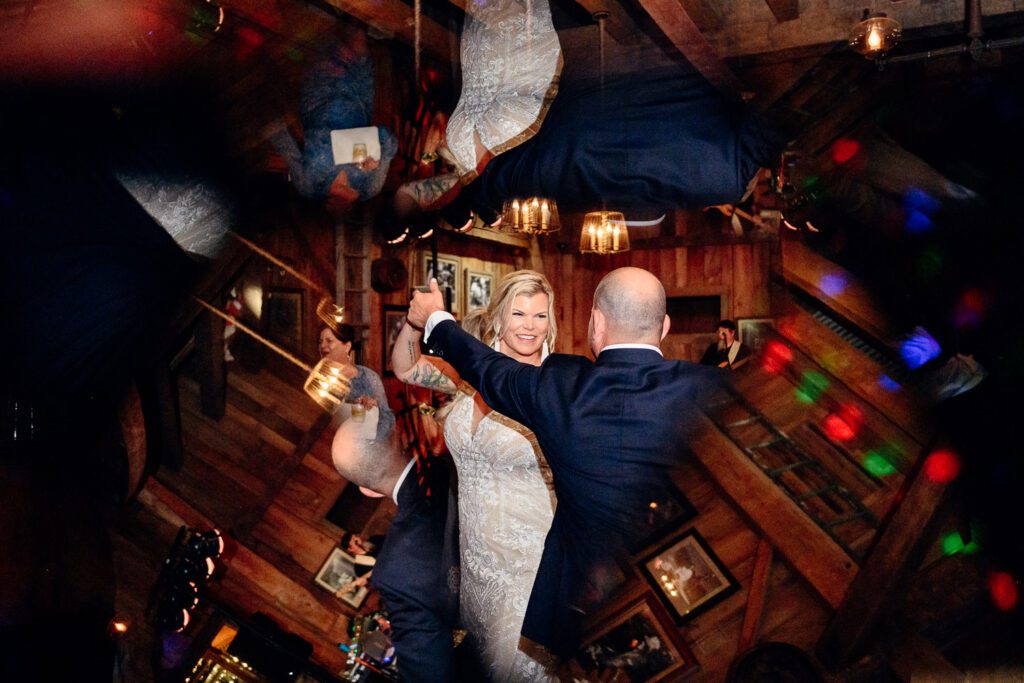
(326, 384)
(604, 232)
(531, 216)
(330, 312)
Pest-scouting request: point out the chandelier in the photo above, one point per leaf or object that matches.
(604, 232)
(530, 216)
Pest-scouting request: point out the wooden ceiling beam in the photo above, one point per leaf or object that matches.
(677, 25)
(707, 15)
(784, 10)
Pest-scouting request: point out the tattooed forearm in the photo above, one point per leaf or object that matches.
(426, 375)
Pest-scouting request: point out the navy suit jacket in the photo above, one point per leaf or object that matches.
(611, 431)
(415, 576)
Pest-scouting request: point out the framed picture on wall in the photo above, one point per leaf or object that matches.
(754, 332)
(637, 642)
(393, 320)
(282, 316)
(666, 512)
(337, 572)
(447, 273)
(687, 575)
(478, 289)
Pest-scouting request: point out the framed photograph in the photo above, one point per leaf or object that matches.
(393, 320)
(336, 572)
(447, 274)
(754, 332)
(478, 289)
(687, 576)
(282, 316)
(638, 642)
(668, 510)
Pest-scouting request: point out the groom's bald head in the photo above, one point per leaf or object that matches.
(630, 307)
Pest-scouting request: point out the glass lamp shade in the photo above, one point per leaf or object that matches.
(327, 384)
(531, 216)
(604, 232)
(875, 35)
(331, 313)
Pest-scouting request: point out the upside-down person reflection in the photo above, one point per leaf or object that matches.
(414, 567)
(336, 95)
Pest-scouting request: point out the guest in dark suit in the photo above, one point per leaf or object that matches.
(727, 351)
(611, 431)
(416, 569)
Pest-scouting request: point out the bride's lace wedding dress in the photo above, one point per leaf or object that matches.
(506, 502)
(511, 61)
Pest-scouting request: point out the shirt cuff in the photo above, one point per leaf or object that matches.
(435, 318)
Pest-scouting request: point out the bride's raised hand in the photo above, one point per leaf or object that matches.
(423, 304)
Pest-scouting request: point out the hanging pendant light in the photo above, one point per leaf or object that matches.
(530, 216)
(875, 34)
(604, 232)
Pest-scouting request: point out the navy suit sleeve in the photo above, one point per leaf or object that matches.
(506, 385)
(423, 642)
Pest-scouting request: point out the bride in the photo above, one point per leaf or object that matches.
(506, 499)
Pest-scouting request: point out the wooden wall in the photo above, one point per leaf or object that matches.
(738, 273)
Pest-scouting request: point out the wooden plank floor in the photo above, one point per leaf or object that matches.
(234, 467)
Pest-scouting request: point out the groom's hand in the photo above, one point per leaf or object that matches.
(425, 303)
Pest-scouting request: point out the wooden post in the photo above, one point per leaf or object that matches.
(756, 596)
(210, 362)
(896, 555)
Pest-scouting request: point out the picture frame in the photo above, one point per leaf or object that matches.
(478, 288)
(668, 511)
(687, 576)
(337, 570)
(447, 273)
(392, 320)
(282, 316)
(754, 332)
(637, 642)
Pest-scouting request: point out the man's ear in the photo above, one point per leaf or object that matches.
(665, 325)
(600, 323)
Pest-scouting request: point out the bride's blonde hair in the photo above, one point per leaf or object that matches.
(485, 323)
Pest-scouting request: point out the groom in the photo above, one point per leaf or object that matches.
(611, 431)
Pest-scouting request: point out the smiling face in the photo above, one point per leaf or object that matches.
(331, 348)
(525, 328)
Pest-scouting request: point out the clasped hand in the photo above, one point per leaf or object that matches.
(424, 304)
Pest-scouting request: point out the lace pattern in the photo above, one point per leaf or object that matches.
(511, 60)
(505, 508)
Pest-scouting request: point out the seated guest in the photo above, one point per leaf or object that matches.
(417, 565)
(367, 388)
(728, 351)
(364, 554)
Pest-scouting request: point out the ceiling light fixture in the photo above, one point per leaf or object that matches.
(530, 216)
(604, 232)
(875, 34)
